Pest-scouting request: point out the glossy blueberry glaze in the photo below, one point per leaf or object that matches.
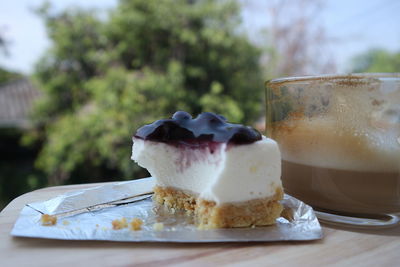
(205, 128)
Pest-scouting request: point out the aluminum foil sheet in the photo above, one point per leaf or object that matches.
(88, 215)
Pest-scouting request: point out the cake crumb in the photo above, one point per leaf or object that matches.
(97, 225)
(253, 169)
(158, 226)
(48, 220)
(136, 224)
(119, 224)
(65, 222)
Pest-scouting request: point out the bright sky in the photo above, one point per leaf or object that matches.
(356, 25)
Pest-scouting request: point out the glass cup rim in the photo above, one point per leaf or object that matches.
(356, 77)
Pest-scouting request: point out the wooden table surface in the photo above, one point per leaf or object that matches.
(340, 247)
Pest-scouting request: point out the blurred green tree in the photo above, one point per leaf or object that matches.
(7, 75)
(376, 60)
(17, 174)
(104, 77)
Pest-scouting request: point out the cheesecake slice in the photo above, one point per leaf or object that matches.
(228, 175)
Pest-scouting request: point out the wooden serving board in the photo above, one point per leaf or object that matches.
(339, 246)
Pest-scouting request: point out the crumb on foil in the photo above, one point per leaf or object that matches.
(136, 224)
(65, 222)
(158, 226)
(48, 220)
(120, 224)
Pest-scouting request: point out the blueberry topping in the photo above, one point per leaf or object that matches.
(206, 127)
(181, 115)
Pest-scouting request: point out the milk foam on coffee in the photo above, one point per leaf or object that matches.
(314, 142)
(367, 139)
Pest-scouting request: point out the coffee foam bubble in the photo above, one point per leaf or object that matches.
(321, 142)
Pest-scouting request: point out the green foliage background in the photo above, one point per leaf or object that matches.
(377, 60)
(8, 76)
(104, 77)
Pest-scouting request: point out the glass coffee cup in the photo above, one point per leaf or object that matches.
(339, 136)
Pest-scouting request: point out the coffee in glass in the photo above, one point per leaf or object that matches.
(340, 143)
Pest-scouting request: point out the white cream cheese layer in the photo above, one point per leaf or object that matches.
(218, 173)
